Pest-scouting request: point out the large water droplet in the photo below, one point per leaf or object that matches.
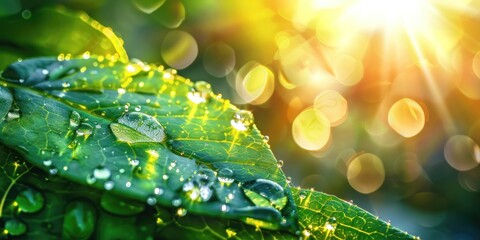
(225, 176)
(79, 220)
(242, 120)
(84, 129)
(137, 127)
(75, 119)
(265, 193)
(200, 93)
(15, 227)
(30, 201)
(101, 172)
(120, 206)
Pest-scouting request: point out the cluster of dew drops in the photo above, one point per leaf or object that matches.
(199, 187)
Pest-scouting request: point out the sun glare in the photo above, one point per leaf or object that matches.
(384, 14)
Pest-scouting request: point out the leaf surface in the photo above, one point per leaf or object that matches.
(138, 131)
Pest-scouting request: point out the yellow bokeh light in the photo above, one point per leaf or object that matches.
(366, 173)
(462, 153)
(406, 117)
(179, 49)
(254, 83)
(311, 129)
(348, 70)
(333, 105)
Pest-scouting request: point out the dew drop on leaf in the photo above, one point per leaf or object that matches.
(205, 193)
(137, 127)
(158, 191)
(151, 200)
(120, 206)
(176, 202)
(53, 171)
(225, 176)
(242, 120)
(75, 119)
(265, 193)
(101, 172)
(13, 114)
(30, 201)
(181, 212)
(331, 224)
(91, 179)
(79, 220)
(15, 227)
(47, 162)
(280, 163)
(84, 129)
(200, 93)
(109, 185)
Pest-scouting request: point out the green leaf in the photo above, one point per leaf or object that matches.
(136, 151)
(323, 216)
(56, 31)
(140, 132)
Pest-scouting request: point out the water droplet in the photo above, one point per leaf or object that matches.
(242, 120)
(30, 201)
(176, 202)
(128, 184)
(13, 114)
(84, 129)
(225, 208)
(101, 172)
(181, 212)
(45, 71)
(266, 139)
(151, 200)
(121, 206)
(137, 127)
(200, 93)
(15, 227)
(109, 185)
(331, 224)
(47, 163)
(158, 191)
(265, 193)
(121, 91)
(134, 162)
(91, 179)
(53, 170)
(79, 220)
(225, 176)
(205, 193)
(138, 108)
(65, 84)
(280, 163)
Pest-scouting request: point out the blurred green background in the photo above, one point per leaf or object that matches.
(373, 103)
